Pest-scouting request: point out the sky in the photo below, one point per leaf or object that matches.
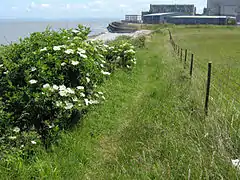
(55, 9)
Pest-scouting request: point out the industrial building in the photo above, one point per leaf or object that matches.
(224, 8)
(158, 18)
(133, 18)
(215, 20)
(188, 9)
(159, 13)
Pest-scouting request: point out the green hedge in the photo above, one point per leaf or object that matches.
(49, 80)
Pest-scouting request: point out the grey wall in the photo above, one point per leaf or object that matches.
(224, 7)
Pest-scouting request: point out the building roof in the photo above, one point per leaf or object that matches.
(203, 17)
(132, 15)
(161, 14)
(171, 4)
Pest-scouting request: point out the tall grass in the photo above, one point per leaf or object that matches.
(151, 127)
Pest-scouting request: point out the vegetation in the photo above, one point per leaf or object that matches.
(47, 83)
(150, 127)
(137, 42)
(220, 45)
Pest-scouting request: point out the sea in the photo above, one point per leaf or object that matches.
(12, 29)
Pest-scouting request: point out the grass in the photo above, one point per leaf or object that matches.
(148, 128)
(220, 45)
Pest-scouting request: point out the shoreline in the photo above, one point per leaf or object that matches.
(108, 36)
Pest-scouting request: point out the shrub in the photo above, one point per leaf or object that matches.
(49, 79)
(137, 42)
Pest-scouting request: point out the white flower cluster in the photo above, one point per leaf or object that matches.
(69, 51)
(75, 31)
(33, 81)
(44, 49)
(131, 51)
(82, 53)
(105, 73)
(58, 48)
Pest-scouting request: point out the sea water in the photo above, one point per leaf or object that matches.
(12, 30)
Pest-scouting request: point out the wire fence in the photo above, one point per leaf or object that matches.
(220, 81)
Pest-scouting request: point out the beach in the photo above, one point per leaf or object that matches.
(112, 36)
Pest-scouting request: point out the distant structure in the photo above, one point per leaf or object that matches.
(159, 13)
(188, 20)
(188, 9)
(133, 19)
(218, 12)
(224, 8)
(159, 18)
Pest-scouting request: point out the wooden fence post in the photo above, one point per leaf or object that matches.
(208, 87)
(185, 59)
(170, 34)
(181, 54)
(191, 66)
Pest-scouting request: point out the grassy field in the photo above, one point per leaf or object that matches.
(220, 45)
(147, 129)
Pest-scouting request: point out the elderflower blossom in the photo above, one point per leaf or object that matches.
(80, 87)
(6, 72)
(105, 73)
(33, 69)
(33, 81)
(70, 91)
(75, 31)
(59, 103)
(68, 105)
(93, 102)
(46, 86)
(90, 102)
(16, 130)
(75, 63)
(236, 163)
(57, 48)
(63, 64)
(88, 80)
(86, 102)
(130, 51)
(63, 93)
(51, 126)
(83, 55)
(82, 95)
(82, 51)
(55, 87)
(1, 65)
(34, 142)
(69, 51)
(62, 88)
(44, 49)
(75, 99)
(12, 137)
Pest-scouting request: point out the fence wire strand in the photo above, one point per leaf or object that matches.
(231, 86)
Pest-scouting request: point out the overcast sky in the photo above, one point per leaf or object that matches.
(83, 8)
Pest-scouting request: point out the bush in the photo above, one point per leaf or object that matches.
(231, 21)
(50, 79)
(137, 42)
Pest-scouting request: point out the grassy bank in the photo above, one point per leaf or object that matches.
(147, 129)
(219, 45)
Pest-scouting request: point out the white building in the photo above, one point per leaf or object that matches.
(133, 18)
(224, 7)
